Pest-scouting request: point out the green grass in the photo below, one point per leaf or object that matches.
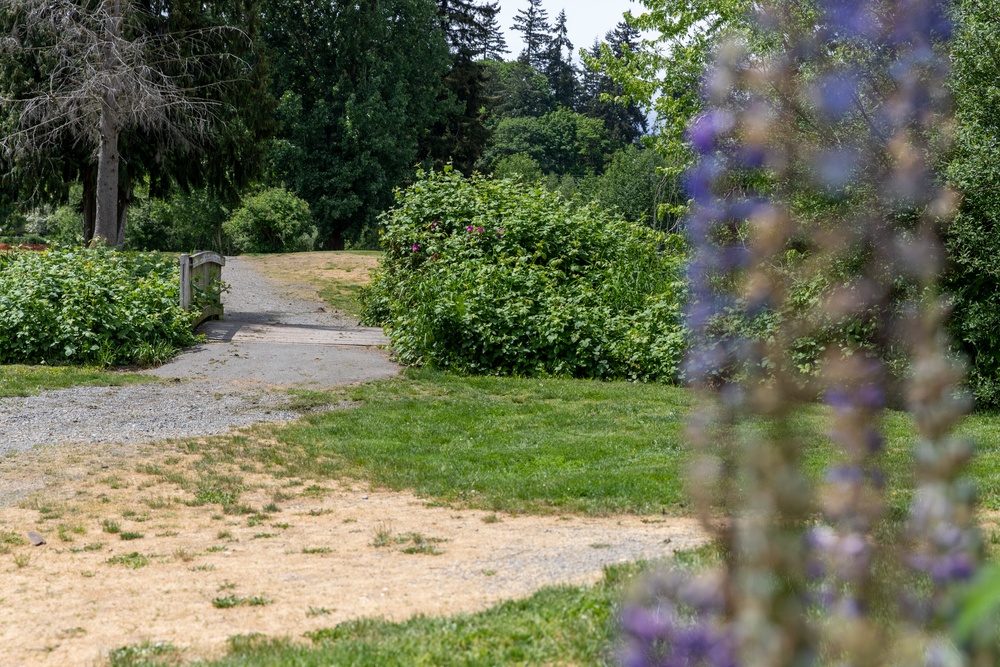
(559, 625)
(342, 296)
(562, 625)
(530, 445)
(133, 561)
(17, 380)
(499, 443)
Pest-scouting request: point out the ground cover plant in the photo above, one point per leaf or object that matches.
(501, 277)
(96, 307)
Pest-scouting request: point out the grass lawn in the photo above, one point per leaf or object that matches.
(530, 445)
(496, 443)
(20, 380)
(335, 275)
(521, 445)
(560, 625)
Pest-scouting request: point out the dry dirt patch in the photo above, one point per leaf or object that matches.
(305, 274)
(312, 554)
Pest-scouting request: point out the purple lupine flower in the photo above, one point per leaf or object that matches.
(705, 130)
(834, 95)
(853, 19)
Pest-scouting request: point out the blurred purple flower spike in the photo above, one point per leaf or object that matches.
(706, 130)
(922, 21)
(834, 95)
(837, 167)
(644, 623)
(852, 19)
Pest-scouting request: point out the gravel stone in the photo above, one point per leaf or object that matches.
(217, 387)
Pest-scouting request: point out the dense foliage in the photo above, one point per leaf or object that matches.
(360, 85)
(90, 307)
(209, 51)
(185, 222)
(274, 220)
(497, 277)
(974, 236)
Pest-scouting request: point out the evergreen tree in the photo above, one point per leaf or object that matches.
(469, 27)
(559, 68)
(533, 24)
(360, 86)
(605, 99)
(515, 90)
(495, 46)
(459, 136)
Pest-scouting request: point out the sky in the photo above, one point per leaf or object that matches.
(585, 19)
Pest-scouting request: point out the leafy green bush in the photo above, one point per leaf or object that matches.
(972, 275)
(518, 164)
(630, 185)
(498, 277)
(90, 307)
(274, 220)
(184, 222)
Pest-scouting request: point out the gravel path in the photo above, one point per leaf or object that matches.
(215, 387)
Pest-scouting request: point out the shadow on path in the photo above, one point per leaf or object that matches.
(274, 339)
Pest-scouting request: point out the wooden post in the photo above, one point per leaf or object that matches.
(185, 281)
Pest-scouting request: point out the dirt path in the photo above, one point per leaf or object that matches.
(280, 335)
(316, 553)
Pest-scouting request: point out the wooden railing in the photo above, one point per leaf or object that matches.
(201, 284)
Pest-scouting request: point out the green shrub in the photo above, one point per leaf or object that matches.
(90, 307)
(498, 277)
(518, 164)
(274, 220)
(184, 222)
(630, 185)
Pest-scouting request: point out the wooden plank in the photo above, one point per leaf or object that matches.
(242, 332)
(205, 257)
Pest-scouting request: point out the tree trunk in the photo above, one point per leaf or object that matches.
(106, 225)
(88, 176)
(124, 199)
(106, 229)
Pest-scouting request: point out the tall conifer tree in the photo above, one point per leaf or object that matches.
(470, 28)
(533, 24)
(624, 121)
(559, 68)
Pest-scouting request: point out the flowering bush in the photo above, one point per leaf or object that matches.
(90, 307)
(850, 110)
(497, 277)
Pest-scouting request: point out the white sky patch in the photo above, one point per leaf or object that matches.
(585, 20)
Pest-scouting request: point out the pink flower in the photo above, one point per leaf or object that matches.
(469, 229)
(479, 230)
(500, 232)
(415, 248)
